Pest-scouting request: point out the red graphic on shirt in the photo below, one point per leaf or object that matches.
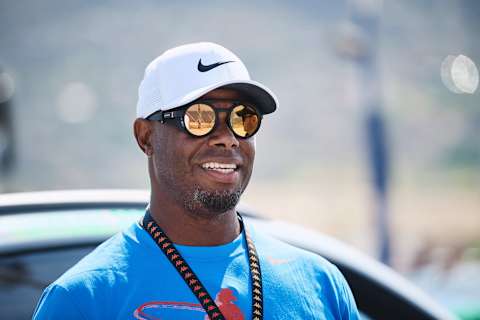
(225, 301)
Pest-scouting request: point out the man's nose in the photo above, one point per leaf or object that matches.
(222, 136)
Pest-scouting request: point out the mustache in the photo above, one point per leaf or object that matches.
(220, 154)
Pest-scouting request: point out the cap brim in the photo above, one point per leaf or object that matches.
(263, 97)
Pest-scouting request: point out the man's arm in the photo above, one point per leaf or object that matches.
(348, 307)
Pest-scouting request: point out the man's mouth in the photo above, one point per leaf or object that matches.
(224, 168)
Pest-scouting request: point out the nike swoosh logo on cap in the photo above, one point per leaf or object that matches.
(204, 68)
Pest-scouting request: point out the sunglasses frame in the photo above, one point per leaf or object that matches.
(178, 114)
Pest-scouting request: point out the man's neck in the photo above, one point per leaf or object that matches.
(186, 228)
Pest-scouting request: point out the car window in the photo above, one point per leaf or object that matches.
(23, 278)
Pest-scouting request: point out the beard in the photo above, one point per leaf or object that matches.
(198, 200)
(212, 202)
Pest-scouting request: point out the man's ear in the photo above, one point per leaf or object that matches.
(142, 130)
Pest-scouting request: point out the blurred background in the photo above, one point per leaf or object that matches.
(376, 140)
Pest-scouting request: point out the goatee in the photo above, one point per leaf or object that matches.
(213, 201)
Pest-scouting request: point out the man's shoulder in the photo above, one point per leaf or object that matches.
(291, 268)
(108, 261)
(99, 280)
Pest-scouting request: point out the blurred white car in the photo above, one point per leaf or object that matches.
(43, 234)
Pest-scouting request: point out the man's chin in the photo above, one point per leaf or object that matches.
(213, 201)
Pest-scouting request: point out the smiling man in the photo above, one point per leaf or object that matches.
(192, 256)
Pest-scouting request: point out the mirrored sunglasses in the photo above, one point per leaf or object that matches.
(201, 118)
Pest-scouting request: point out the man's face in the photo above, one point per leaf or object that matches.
(206, 175)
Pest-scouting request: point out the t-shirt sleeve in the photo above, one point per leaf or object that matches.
(56, 303)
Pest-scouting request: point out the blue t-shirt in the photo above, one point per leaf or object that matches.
(128, 277)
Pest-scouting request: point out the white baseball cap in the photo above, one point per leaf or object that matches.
(185, 73)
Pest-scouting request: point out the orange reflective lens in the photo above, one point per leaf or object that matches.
(200, 120)
(244, 121)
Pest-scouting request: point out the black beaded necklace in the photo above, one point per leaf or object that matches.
(187, 274)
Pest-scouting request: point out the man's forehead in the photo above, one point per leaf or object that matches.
(225, 94)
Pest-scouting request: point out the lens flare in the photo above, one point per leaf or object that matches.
(459, 74)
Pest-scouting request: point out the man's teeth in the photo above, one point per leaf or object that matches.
(220, 167)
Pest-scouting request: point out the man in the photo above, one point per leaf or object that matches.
(191, 256)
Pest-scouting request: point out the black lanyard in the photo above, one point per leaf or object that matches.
(187, 274)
